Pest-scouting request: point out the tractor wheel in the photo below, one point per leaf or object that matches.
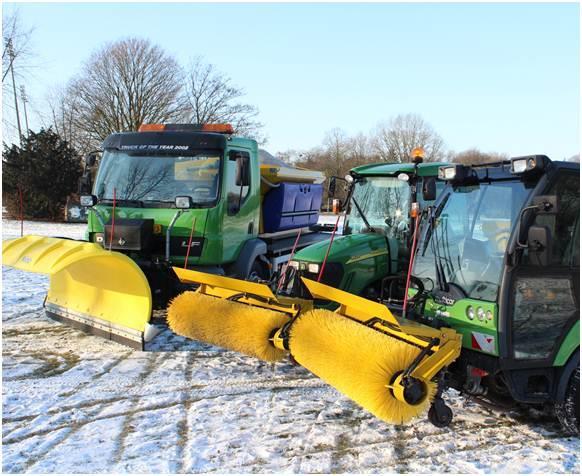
(568, 411)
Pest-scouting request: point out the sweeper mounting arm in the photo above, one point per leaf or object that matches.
(443, 346)
(244, 292)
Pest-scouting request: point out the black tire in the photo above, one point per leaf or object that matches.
(568, 411)
(440, 415)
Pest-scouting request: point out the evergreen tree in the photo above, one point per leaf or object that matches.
(46, 169)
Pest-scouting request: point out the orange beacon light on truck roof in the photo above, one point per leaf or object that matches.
(219, 128)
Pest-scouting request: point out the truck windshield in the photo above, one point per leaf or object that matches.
(158, 178)
(385, 201)
(470, 234)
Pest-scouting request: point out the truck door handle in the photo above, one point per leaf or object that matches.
(251, 227)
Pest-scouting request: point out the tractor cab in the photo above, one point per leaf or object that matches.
(375, 240)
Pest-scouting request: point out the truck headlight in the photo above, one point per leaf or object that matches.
(480, 313)
(313, 268)
(470, 312)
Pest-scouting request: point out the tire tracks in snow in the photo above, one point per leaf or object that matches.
(206, 394)
(126, 427)
(183, 427)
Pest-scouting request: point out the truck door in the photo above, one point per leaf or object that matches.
(541, 302)
(241, 201)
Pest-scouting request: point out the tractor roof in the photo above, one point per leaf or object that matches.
(429, 169)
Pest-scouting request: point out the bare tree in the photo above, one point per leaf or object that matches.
(17, 63)
(394, 140)
(212, 98)
(336, 148)
(361, 150)
(475, 156)
(121, 86)
(63, 106)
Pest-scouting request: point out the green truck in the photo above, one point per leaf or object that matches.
(174, 195)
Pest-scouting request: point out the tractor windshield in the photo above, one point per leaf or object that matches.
(158, 179)
(385, 202)
(467, 243)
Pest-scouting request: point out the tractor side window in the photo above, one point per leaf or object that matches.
(564, 226)
(542, 308)
(235, 194)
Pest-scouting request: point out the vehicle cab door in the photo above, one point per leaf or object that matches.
(540, 301)
(241, 201)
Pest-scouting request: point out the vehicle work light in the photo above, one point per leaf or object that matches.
(520, 165)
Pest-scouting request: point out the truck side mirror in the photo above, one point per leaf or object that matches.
(547, 204)
(85, 183)
(331, 187)
(90, 159)
(243, 171)
(539, 243)
(429, 191)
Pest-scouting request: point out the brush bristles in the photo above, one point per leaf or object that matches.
(227, 324)
(357, 360)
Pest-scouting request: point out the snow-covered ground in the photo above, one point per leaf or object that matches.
(74, 403)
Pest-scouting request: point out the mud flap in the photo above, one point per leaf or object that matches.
(98, 291)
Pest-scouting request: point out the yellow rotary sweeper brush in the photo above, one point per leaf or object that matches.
(385, 364)
(238, 315)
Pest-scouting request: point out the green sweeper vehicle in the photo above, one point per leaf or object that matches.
(492, 307)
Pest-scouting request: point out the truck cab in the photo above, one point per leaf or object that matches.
(193, 196)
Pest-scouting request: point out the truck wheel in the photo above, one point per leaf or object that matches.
(568, 411)
(258, 272)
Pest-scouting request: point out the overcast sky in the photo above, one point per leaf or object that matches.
(499, 77)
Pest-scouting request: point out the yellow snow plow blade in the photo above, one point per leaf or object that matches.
(235, 314)
(101, 292)
(385, 364)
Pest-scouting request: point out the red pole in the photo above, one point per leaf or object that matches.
(281, 279)
(410, 263)
(328, 248)
(112, 218)
(189, 243)
(21, 211)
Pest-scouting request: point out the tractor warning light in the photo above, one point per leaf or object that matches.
(417, 155)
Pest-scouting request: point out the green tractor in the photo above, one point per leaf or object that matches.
(372, 252)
